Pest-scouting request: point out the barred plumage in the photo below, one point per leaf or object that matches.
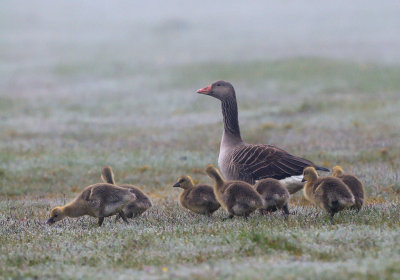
(247, 162)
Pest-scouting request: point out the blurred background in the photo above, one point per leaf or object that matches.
(85, 84)
(88, 83)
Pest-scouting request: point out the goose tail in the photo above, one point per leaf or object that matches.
(320, 168)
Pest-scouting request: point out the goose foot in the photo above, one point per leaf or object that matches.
(229, 217)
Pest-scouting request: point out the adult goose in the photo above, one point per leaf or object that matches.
(251, 162)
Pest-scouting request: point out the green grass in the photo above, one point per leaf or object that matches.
(169, 237)
(152, 127)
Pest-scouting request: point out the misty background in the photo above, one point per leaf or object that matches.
(34, 34)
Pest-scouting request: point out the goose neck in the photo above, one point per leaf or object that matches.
(230, 116)
(71, 210)
(308, 187)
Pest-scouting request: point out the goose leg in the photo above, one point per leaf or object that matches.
(132, 215)
(271, 209)
(357, 208)
(117, 217)
(286, 209)
(122, 215)
(332, 214)
(101, 220)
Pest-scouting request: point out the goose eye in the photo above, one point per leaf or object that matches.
(218, 85)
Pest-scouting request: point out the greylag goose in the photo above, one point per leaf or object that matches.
(354, 184)
(238, 198)
(134, 208)
(251, 162)
(199, 199)
(328, 193)
(275, 195)
(99, 200)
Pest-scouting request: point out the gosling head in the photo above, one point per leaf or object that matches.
(220, 89)
(214, 173)
(211, 169)
(185, 182)
(338, 171)
(309, 174)
(56, 214)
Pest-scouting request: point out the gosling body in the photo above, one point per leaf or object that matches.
(354, 184)
(328, 193)
(236, 197)
(199, 199)
(275, 195)
(98, 200)
(134, 208)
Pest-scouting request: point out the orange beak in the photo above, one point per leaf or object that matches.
(205, 90)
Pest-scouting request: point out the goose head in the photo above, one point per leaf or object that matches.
(56, 214)
(220, 89)
(310, 174)
(338, 171)
(184, 182)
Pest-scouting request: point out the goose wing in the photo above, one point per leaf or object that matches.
(255, 162)
(107, 193)
(207, 194)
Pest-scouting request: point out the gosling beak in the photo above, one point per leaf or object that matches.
(176, 185)
(303, 180)
(205, 90)
(50, 221)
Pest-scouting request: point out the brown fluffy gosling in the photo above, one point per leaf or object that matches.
(134, 208)
(354, 184)
(99, 200)
(328, 193)
(275, 195)
(236, 197)
(199, 199)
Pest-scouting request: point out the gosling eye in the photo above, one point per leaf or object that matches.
(181, 181)
(218, 85)
(55, 216)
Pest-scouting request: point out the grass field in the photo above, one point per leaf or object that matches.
(88, 84)
(54, 142)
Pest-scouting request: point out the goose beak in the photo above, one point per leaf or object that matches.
(205, 90)
(50, 221)
(176, 185)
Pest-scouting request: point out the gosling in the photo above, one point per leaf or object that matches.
(236, 197)
(328, 193)
(134, 208)
(199, 199)
(354, 184)
(275, 195)
(99, 200)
